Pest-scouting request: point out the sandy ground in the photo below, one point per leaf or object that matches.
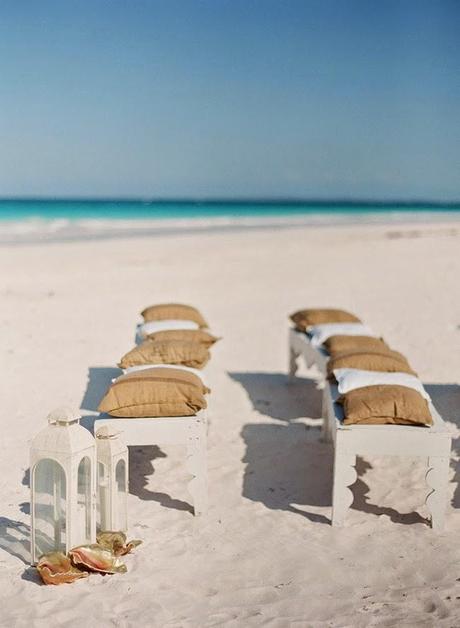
(266, 554)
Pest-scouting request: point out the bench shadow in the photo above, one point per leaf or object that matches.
(289, 468)
(141, 466)
(446, 399)
(277, 396)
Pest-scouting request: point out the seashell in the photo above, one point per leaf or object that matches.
(96, 558)
(56, 568)
(116, 542)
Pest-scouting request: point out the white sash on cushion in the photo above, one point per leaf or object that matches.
(143, 367)
(144, 329)
(350, 379)
(320, 333)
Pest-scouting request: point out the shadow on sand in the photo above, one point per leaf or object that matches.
(289, 468)
(446, 399)
(99, 380)
(15, 539)
(141, 461)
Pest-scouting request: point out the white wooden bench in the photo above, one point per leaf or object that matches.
(190, 431)
(432, 443)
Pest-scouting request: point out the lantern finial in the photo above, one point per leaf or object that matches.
(64, 415)
(106, 431)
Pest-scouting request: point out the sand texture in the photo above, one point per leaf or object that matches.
(266, 554)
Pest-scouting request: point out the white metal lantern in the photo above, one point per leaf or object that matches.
(112, 480)
(63, 485)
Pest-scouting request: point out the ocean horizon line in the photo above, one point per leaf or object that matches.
(293, 201)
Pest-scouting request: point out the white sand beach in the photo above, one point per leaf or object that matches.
(266, 554)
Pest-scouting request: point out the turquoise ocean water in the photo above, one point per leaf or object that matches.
(66, 220)
(18, 210)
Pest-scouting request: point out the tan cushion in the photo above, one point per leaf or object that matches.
(177, 311)
(166, 352)
(189, 335)
(377, 405)
(386, 361)
(342, 344)
(306, 318)
(155, 393)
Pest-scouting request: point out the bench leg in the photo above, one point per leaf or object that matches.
(293, 366)
(197, 465)
(327, 426)
(437, 478)
(344, 475)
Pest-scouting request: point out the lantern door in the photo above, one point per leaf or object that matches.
(49, 508)
(81, 521)
(103, 497)
(112, 495)
(120, 506)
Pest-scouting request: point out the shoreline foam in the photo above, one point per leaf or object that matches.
(40, 230)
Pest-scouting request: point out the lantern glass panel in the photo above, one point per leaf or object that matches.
(49, 487)
(84, 497)
(103, 502)
(121, 496)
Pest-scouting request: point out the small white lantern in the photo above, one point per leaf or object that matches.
(112, 480)
(63, 485)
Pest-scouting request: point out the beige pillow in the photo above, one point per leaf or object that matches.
(377, 405)
(342, 344)
(155, 392)
(307, 318)
(174, 311)
(188, 335)
(386, 361)
(166, 352)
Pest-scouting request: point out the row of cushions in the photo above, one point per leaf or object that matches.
(161, 378)
(377, 384)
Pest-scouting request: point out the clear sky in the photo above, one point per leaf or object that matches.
(230, 98)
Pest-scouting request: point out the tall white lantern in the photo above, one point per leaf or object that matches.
(63, 485)
(112, 480)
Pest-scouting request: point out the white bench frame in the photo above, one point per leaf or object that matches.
(190, 431)
(432, 443)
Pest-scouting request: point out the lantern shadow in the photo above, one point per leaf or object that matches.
(15, 539)
(99, 379)
(24, 507)
(140, 467)
(31, 575)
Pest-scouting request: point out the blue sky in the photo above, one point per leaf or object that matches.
(240, 98)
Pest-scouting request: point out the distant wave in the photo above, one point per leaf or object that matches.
(38, 229)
